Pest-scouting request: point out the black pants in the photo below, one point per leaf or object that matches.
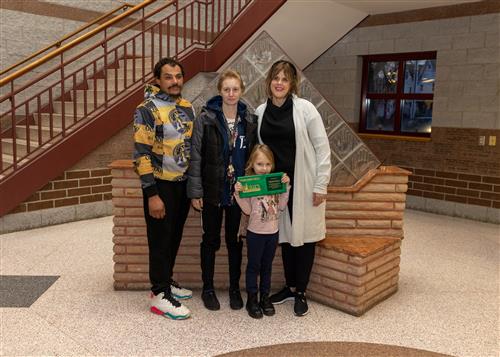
(212, 222)
(260, 252)
(164, 235)
(298, 262)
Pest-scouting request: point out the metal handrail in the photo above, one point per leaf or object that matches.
(73, 43)
(62, 39)
(38, 107)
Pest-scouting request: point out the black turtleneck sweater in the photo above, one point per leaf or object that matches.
(278, 132)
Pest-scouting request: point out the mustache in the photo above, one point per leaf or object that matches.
(175, 86)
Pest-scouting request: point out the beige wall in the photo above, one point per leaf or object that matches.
(305, 29)
(467, 74)
(451, 173)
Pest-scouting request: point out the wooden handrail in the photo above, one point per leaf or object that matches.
(61, 40)
(73, 43)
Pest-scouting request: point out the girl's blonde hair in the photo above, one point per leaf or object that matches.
(259, 148)
(230, 73)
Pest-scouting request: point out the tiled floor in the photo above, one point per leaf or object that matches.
(448, 300)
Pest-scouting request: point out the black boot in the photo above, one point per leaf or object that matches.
(235, 300)
(253, 307)
(266, 305)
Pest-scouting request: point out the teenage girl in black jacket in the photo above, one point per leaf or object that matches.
(223, 136)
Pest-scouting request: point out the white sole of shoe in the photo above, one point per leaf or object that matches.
(291, 298)
(304, 314)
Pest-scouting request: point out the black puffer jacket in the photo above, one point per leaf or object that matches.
(207, 174)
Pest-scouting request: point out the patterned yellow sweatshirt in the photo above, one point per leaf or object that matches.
(162, 138)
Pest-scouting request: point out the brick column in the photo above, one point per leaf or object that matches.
(357, 265)
(374, 206)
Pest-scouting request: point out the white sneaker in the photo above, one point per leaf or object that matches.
(179, 292)
(165, 304)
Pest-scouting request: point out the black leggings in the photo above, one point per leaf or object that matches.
(298, 262)
(212, 222)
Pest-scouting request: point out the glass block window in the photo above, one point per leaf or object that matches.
(397, 94)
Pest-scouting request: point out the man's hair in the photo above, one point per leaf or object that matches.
(166, 60)
(290, 73)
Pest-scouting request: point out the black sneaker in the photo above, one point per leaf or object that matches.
(265, 305)
(300, 308)
(210, 300)
(283, 295)
(235, 300)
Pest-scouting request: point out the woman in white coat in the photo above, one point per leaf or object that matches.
(292, 127)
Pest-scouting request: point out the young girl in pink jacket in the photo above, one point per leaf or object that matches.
(262, 232)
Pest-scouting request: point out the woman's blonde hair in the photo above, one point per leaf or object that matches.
(259, 148)
(230, 73)
(290, 73)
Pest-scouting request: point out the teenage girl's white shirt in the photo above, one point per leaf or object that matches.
(312, 175)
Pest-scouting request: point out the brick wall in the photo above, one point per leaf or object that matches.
(451, 167)
(71, 188)
(455, 187)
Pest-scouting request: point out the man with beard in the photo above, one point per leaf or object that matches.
(163, 124)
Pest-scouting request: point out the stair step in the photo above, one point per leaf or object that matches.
(45, 130)
(69, 108)
(138, 63)
(7, 159)
(119, 73)
(99, 94)
(45, 119)
(21, 146)
(99, 84)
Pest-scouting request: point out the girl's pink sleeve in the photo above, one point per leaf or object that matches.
(244, 203)
(283, 198)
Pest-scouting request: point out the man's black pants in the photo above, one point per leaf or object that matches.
(164, 235)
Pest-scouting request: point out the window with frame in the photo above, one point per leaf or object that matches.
(397, 94)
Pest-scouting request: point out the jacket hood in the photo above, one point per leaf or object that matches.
(153, 91)
(215, 104)
(150, 90)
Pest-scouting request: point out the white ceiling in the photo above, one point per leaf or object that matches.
(373, 7)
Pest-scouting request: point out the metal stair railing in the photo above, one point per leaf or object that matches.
(65, 38)
(36, 112)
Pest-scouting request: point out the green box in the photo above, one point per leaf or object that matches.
(261, 185)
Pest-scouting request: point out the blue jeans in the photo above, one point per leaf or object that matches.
(260, 253)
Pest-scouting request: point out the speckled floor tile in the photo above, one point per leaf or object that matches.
(447, 300)
(24, 333)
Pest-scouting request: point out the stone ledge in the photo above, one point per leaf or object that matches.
(395, 174)
(359, 246)
(47, 217)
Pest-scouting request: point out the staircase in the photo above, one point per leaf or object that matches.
(90, 93)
